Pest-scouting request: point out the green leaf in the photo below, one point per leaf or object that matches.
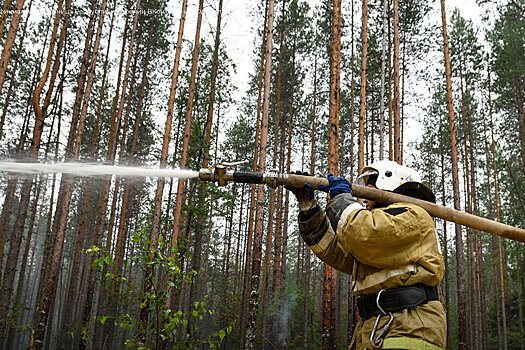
(93, 250)
(103, 319)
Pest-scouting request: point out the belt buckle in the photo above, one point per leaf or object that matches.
(386, 327)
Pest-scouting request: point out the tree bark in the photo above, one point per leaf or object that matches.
(81, 82)
(499, 247)
(520, 301)
(329, 312)
(124, 214)
(362, 109)
(110, 156)
(187, 131)
(283, 327)
(445, 238)
(521, 119)
(118, 196)
(259, 222)
(397, 102)
(382, 102)
(271, 210)
(462, 340)
(157, 211)
(390, 100)
(15, 67)
(196, 263)
(181, 185)
(10, 41)
(86, 205)
(312, 172)
(247, 258)
(3, 17)
(352, 84)
(154, 235)
(40, 112)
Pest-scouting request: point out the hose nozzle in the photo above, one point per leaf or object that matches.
(219, 173)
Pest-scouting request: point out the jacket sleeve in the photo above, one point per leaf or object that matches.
(319, 234)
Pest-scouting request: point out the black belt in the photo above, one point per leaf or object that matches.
(397, 299)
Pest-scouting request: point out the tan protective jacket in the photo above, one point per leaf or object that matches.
(383, 248)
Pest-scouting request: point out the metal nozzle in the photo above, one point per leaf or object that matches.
(219, 173)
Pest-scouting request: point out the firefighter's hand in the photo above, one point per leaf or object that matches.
(336, 186)
(305, 196)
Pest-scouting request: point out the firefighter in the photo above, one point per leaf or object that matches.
(392, 253)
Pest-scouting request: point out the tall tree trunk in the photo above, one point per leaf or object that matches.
(7, 207)
(102, 87)
(520, 300)
(10, 41)
(278, 244)
(329, 322)
(469, 301)
(181, 185)
(397, 102)
(196, 263)
(110, 156)
(33, 154)
(246, 280)
(479, 288)
(402, 118)
(500, 248)
(312, 172)
(492, 217)
(3, 17)
(187, 131)
(76, 132)
(15, 67)
(31, 227)
(445, 238)
(390, 100)
(72, 296)
(119, 251)
(271, 210)
(122, 228)
(237, 250)
(282, 285)
(462, 340)
(521, 119)
(382, 102)
(352, 85)
(362, 109)
(157, 211)
(154, 235)
(259, 222)
(81, 79)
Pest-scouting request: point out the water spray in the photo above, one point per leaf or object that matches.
(90, 169)
(223, 174)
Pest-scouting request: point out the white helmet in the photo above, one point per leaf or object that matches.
(394, 177)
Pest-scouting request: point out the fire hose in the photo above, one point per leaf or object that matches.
(222, 175)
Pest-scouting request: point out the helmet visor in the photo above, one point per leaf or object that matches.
(363, 178)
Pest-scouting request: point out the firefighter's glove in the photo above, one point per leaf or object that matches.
(305, 196)
(336, 186)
